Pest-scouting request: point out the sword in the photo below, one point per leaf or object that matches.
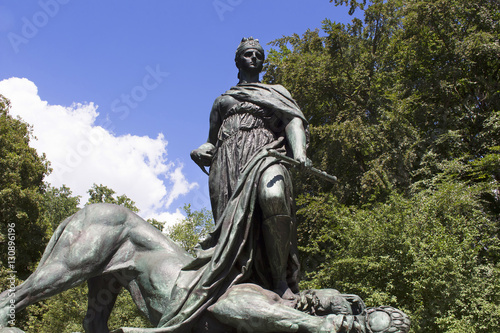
(321, 174)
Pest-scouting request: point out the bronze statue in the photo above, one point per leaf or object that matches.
(244, 277)
(245, 121)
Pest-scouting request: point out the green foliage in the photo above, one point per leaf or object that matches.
(352, 3)
(21, 190)
(415, 77)
(101, 193)
(58, 204)
(193, 228)
(429, 255)
(403, 106)
(159, 225)
(126, 314)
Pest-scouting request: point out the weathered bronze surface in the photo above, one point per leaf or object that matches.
(244, 277)
(112, 248)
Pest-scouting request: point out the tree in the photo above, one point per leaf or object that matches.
(415, 79)
(158, 224)
(22, 172)
(29, 208)
(101, 193)
(425, 255)
(192, 229)
(58, 204)
(403, 106)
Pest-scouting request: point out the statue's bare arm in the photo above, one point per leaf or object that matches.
(203, 154)
(296, 137)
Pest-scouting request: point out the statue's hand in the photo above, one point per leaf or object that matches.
(304, 161)
(203, 155)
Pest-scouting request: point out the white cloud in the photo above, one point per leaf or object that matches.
(82, 152)
(181, 185)
(170, 218)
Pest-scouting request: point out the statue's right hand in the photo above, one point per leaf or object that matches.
(203, 155)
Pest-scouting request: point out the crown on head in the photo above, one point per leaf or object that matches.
(248, 43)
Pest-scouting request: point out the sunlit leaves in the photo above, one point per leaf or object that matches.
(192, 229)
(21, 188)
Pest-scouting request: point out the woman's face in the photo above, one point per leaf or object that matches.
(251, 61)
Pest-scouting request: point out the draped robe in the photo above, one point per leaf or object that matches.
(234, 251)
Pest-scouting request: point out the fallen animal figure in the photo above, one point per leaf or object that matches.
(111, 248)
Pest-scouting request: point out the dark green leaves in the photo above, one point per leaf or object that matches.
(404, 109)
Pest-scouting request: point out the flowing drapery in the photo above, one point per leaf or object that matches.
(234, 252)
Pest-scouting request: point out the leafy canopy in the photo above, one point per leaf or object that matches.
(403, 105)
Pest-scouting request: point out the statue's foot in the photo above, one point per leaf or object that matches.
(284, 291)
(288, 298)
(289, 295)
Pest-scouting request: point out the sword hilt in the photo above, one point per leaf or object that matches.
(294, 162)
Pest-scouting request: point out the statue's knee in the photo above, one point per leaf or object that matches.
(272, 196)
(272, 193)
(273, 202)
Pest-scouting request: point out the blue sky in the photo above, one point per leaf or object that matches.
(140, 77)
